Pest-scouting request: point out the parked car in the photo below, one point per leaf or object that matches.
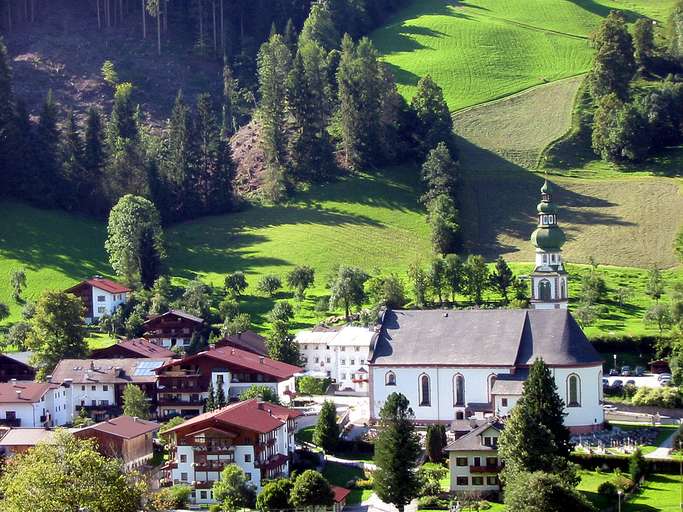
(613, 372)
(630, 382)
(618, 383)
(605, 383)
(609, 407)
(663, 376)
(625, 371)
(667, 382)
(639, 371)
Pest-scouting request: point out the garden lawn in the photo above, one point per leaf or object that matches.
(486, 49)
(340, 474)
(590, 481)
(305, 435)
(660, 493)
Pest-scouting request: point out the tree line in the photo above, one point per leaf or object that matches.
(631, 121)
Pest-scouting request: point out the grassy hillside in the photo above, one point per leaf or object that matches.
(487, 49)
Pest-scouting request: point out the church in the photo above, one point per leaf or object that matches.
(461, 364)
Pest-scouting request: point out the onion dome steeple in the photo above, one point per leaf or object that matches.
(549, 278)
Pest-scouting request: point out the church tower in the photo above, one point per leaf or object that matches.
(549, 278)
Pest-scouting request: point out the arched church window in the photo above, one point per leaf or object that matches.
(425, 398)
(390, 379)
(544, 289)
(491, 382)
(574, 391)
(459, 390)
(563, 289)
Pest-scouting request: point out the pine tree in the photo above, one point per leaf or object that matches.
(229, 123)
(214, 167)
(439, 174)
(442, 216)
(178, 164)
(290, 37)
(502, 278)
(93, 161)
(535, 438)
(309, 148)
(397, 452)
(435, 122)
(644, 42)
(326, 433)
(319, 27)
(72, 158)
(6, 114)
(22, 166)
(47, 186)
(435, 442)
(614, 63)
(210, 404)
(220, 398)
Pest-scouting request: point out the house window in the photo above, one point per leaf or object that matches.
(491, 461)
(491, 480)
(93, 403)
(82, 388)
(93, 388)
(504, 402)
(544, 290)
(487, 441)
(183, 459)
(477, 480)
(317, 359)
(101, 298)
(390, 379)
(105, 388)
(304, 360)
(461, 461)
(563, 291)
(327, 359)
(459, 390)
(476, 461)
(361, 361)
(492, 381)
(343, 349)
(101, 309)
(343, 376)
(462, 480)
(425, 399)
(248, 475)
(183, 477)
(573, 391)
(104, 403)
(202, 495)
(11, 415)
(343, 361)
(247, 457)
(353, 361)
(357, 349)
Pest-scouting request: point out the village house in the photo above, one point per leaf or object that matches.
(31, 404)
(135, 348)
(247, 340)
(15, 365)
(172, 329)
(184, 383)
(340, 354)
(100, 297)
(19, 440)
(97, 384)
(257, 436)
(473, 461)
(126, 438)
(459, 364)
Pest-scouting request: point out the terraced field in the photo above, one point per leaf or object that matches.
(481, 50)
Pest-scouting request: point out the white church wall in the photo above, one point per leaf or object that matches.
(590, 411)
(442, 392)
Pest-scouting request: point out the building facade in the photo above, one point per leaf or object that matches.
(13, 366)
(184, 383)
(34, 405)
(172, 329)
(256, 436)
(455, 365)
(473, 461)
(100, 297)
(340, 354)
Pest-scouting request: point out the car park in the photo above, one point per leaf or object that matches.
(639, 371)
(663, 376)
(613, 372)
(625, 371)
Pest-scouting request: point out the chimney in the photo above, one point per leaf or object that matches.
(18, 392)
(92, 365)
(135, 419)
(13, 381)
(261, 359)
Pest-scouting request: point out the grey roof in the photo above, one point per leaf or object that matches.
(22, 357)
(500, 337)
(472, 440)
(510, 383)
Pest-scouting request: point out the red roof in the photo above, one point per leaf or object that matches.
(243, 359)
(176, 312)
(23, 391)
(252, 415)
(140, 347)
(103, 284)
(340, 493)
(123, 426)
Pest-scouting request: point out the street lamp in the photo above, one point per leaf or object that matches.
(619, 493)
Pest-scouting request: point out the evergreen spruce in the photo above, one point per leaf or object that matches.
(319, 27)
(502, 278)
(210, 404)
(47, 184)
(397, 452)
(6, 114)
(220, 398)
(535, 438)
(229, 123)
(439, 174)
(435, 124)
(435, 442)
(72, 158)
(93, 161)
(326, 433)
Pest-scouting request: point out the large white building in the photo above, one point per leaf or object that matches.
(100, 297)
(34, 404)
(340, 354)
(455, 365)
(256, 436)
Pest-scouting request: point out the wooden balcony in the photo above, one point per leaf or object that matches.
(486, 469)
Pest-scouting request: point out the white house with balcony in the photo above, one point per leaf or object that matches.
(100, 297)
(339, 353)
(256, 436)
(34, 404)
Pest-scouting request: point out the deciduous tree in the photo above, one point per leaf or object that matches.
(135, 402)
(347, 289)
(233, 491)
(311, 490)
(300, 279)
(326, 433)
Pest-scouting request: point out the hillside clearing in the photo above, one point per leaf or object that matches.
(519, 127)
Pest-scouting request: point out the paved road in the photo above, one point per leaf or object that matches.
(664, 450)
(374, 504)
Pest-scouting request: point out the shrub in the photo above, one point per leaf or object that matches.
(432, 503)
(608, 489)
(669, 397)
(215, 508)
(624, 483)
(311, 385)
(364, 484)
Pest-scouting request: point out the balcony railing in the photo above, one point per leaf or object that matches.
(163, 400)
(213, 465)
(9, 422)
(179, 373)
(486, 469)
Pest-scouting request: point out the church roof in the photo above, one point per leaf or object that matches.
(489, 338)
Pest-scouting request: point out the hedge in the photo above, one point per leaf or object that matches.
(612, 462)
